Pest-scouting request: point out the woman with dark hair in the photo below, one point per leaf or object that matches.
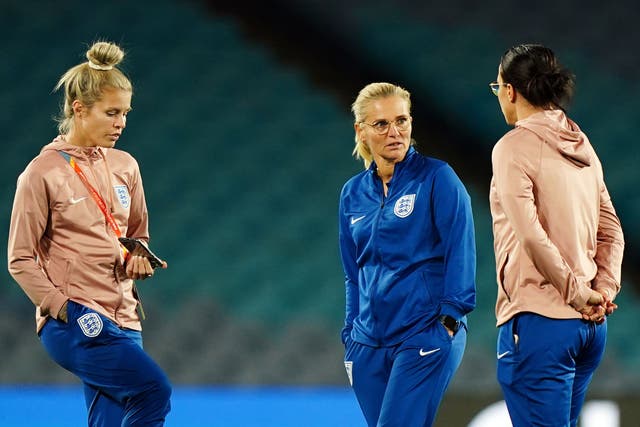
(558, 244)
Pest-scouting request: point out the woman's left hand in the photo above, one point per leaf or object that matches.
(595, 309)
(138, 267)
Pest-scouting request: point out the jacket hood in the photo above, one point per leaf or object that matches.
(60, 143)
(561, 133)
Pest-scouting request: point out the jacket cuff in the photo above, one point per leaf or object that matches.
(611, 289)
(579, 301)
(451, 310)
(345, 334)
(51, 306)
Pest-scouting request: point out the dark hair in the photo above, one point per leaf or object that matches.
(534, 71)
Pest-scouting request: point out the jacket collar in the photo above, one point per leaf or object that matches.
(400, 166)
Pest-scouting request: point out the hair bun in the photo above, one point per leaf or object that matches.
(540, 86)
(104, 55)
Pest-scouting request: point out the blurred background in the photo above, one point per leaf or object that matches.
(242, 128)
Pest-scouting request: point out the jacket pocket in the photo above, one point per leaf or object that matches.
(66, 278)
(433, 278)
(502, 266)
(59, 272)
(508, 352)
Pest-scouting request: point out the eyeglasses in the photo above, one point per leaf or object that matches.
(495, 86)
(381, 127)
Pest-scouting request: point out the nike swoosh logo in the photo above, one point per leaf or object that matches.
(73, 200)
(354, 220)
(501, 355)
(425, 353)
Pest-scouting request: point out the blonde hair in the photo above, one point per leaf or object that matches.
(368, 94)
(86, 81)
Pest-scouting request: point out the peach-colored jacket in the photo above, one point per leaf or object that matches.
(60, 245)
(556, 232)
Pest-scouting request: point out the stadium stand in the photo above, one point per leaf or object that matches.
(243, 153)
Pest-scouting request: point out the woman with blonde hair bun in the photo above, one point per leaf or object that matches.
(73, 203)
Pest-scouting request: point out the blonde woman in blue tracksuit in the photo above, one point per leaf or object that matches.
(408, 251)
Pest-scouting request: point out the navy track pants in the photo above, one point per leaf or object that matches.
(123, 386)
(545, 366)
(403, 385)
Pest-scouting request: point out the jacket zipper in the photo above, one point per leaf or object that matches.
(117, 247)
(378, 255)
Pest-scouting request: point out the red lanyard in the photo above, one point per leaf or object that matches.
(110, 220)
(96, 196)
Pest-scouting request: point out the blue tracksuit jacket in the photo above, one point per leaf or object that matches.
(408, 257)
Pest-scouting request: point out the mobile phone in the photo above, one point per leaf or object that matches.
(132, 244)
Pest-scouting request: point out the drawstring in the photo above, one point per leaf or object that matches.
(110, 191)
(109, 181)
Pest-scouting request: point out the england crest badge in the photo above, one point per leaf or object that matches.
(123, 195)
(404, 205)
(91, 324)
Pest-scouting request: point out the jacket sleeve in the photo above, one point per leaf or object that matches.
(28, 223)
(348, 256)
(454, 221)
(138, 221)
(610, 248)
(513, 176)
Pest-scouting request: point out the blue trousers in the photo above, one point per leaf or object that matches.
(403, 385)
(545, 366)
(123, 386)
